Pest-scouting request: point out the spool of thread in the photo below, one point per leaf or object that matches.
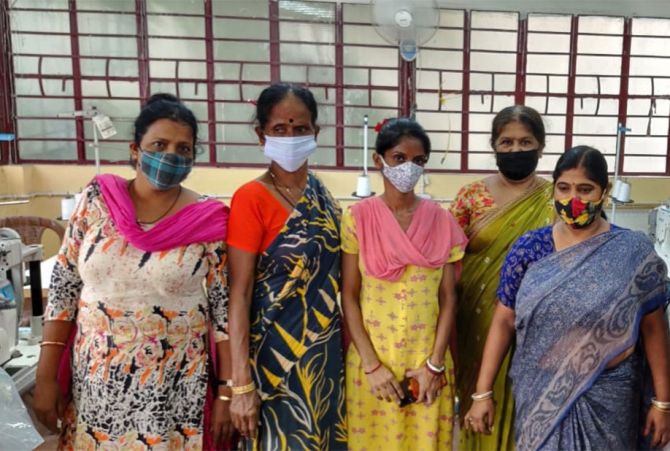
(624, 192)
(363, 186)
(616, 191)
(67, 207)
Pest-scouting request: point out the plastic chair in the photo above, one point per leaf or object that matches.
(31, 228)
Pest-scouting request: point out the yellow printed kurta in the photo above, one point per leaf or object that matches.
(400, 318)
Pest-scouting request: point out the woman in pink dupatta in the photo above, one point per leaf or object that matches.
(399, 269)
(139, 287)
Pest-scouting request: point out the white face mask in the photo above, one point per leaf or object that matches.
(404, 176)
(290, 153)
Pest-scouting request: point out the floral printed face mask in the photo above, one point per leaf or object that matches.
(404, 176)
(577, 213)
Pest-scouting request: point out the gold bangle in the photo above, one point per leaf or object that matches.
(224, 398)
(244, 389)
(663, 406)
(55, 343)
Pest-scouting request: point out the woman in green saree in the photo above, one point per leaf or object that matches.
(494, 212)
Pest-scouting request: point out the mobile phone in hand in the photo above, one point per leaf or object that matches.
(410, 390)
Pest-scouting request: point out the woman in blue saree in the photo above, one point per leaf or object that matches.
(584, 300)
(285, 326)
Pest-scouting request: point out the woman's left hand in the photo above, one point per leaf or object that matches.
(222, 424)
(658, 422)
(429, 384)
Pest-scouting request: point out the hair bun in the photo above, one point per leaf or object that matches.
(162, 97)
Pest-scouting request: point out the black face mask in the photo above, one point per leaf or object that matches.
(517, 165)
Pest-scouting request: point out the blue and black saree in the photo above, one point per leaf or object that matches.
(296, 335)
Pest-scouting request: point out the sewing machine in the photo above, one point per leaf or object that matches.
(19, 348)
(11, 291)
(659, 231)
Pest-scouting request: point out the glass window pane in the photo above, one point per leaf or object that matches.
(651, 27)
(47, 150)
(495, 20)
(307, 32)
(104, 46)
(166, 25)
(241, 29)
(647, 165)
(42, 21)
(236, 51)
(177, 49)
(548, 23)
(176, 6)
(106, 23)
(241, 8)
(307, 10)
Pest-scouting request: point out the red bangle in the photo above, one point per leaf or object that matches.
(379, 365)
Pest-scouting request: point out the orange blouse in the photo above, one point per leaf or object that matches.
(256, 218)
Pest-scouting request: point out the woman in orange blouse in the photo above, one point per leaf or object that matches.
(285, 323)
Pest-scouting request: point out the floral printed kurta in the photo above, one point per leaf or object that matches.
(139, 365)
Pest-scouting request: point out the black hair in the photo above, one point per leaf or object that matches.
(277, 92)
(518, 113)
(588, 158)
(393, 131)
(163, 106)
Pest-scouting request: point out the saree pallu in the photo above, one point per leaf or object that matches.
(490, 237)
(296, 338)
(575, 311)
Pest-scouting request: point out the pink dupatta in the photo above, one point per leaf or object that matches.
(387, 250)
(201, 222)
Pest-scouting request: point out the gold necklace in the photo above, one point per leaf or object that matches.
(274, 182)
(288, 190)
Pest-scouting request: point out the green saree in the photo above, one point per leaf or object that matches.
(490, 238)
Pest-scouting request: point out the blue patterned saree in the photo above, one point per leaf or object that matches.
(296, 335)
(576, 310)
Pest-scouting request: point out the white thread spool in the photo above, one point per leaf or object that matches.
(363, 186)
(617, 189)
(624, 192)
(67, 207)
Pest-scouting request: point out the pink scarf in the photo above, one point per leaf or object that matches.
(201, 222)
(387, 249)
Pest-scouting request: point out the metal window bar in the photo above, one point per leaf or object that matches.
(338, 86)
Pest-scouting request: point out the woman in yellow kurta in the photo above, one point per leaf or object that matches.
(399, 299)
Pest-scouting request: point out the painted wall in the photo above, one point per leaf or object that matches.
(221, 182)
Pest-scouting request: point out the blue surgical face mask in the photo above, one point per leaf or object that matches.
(164, 170)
